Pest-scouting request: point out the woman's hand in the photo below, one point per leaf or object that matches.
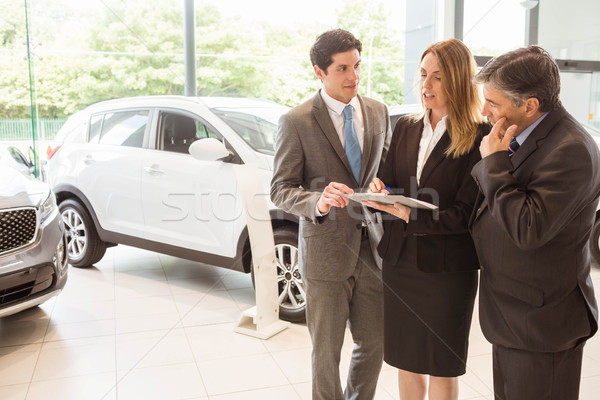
(397, 209)
(377, 186)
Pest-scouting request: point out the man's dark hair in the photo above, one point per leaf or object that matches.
(330, 43)
(524, 73)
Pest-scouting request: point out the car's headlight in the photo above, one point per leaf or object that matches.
(47, 206)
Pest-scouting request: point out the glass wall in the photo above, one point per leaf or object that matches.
(82, 52)
(493, 27)
(570, 30)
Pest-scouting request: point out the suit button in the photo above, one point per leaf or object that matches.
(359, 226)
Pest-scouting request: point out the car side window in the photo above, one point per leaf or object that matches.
(178, 131)
(95, 128)
(123, 128)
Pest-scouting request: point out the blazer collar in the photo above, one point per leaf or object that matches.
(537, 136)
(412, 152)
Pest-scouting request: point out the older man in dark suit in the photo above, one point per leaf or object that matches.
(540, 180)
(326, 147)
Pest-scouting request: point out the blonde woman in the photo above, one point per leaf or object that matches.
(430, 265)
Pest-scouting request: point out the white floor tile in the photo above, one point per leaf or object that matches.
(250, 372)
(304, 390)
(590, 388)
(70, 358)
(144, 306)
(195, 285)
(17, 365)
(14, 392)
(79, 311)
(173, 382)
(151, 349)
(276, 393)
(295, 364)
(213, 342)
(295, 336)
(244, 298)
(145, 323)
(87, 387)
(27, 327)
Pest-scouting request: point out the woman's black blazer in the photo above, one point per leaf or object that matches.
(441, 238)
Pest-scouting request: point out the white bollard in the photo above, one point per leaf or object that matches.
(261, 321)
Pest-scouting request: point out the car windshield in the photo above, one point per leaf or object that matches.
(257, 126)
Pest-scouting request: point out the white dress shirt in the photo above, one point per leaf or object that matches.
(429, 139)
(336, 112)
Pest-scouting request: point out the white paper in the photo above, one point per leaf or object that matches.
(391, 199)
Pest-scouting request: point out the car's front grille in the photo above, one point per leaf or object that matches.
(23, 284)
(16, 293)
(18, 228)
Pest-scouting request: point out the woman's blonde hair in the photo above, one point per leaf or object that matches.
(457, 69)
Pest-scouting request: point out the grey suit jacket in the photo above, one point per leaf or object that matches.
(531, 233)
(308, 156)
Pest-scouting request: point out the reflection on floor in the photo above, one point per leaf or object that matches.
(146, 326)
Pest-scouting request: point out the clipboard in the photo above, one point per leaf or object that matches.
(391, 199)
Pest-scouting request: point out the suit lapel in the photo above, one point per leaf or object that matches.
(411, 153)
(367, 114)
(435, 158)
(321, 114)
(536, 137)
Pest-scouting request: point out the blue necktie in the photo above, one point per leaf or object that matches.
(353, 152)
(513, 146)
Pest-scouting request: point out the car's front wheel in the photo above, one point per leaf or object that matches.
(83, 243)
(292, 296)
(595, 241)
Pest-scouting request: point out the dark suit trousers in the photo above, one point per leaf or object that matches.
(527, 375)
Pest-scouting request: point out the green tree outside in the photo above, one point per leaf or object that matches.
(102, 50)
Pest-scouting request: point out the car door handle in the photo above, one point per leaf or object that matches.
(88, 159)
(154, 170)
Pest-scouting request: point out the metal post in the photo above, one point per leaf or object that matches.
(532, 16)
(31, 86)
(459, 18)
(420, 32)
(189, 45)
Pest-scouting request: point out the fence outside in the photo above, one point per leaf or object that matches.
(20, 129)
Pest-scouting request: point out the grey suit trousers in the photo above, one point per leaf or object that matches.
(330, 305)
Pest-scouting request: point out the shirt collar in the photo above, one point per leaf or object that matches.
(336, 105)
(525, 134)
(441, 124)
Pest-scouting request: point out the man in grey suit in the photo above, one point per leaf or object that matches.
(540, 180)
(326, 147)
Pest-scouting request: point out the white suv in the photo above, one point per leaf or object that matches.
(122, 174)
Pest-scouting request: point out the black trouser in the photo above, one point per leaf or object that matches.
(528, 375)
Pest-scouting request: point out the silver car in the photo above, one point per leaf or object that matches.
(33, 257)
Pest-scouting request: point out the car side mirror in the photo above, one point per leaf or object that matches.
(31, 155)
(209, 149)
